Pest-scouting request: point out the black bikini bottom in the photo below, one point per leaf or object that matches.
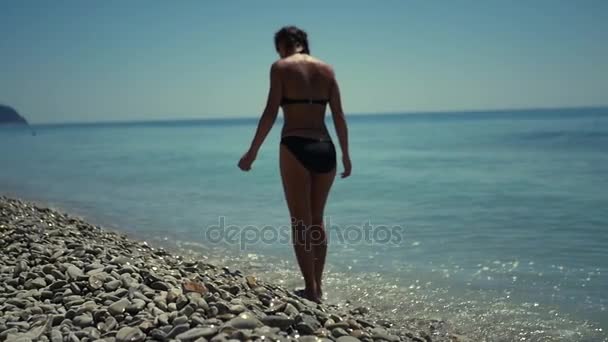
(316, 155)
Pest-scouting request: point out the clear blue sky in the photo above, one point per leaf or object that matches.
(131, 60)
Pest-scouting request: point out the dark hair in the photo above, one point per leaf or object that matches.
(292, 36)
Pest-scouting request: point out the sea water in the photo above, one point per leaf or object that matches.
(495, 221)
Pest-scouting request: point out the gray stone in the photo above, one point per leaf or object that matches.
(194, 334)
(331, 326)
(10, 331)
(121, 260)
(20, 266)
(244, 321)
(92, 333)
(129, 334)
(146, 326)
(56, 335)
(237, 309)
(19, 325)
(73, 338)
(88, 306)
(112, 285)
(161, 303)
(178, 329)
(187, 310)
(96, 280)
(338, 332)
(382, 334)
(118, 307)
(83, 320)
(309, 338)
(48, 268)
(158, 334)
(74, 272)
(307, 324)
(290, 310)
(221, 337)
(136, 306)
(36, 283)
(57, 285)
(180, 320)
(347, 339)
(163, 319)
(221, 307)
(160, 285)
(110, 323)
(20, 303)
(277, 321)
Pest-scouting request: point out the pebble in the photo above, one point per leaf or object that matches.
(278, 321)
(136, 306)
(112, 285)
(347, 339)
(194, 334)
(180, 320)
(83, 320)
(307, 324)
(118, 307)
(337, 332)
(37, 283)
(57, 285)
(56, 336)
(96, 280)
(382, 334)
(74, 272)
(129, 334)
(244, 321)
(178, 329)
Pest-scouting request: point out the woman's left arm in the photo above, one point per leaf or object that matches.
(267, 119)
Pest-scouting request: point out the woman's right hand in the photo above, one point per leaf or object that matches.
(347, 166)
(246, 160)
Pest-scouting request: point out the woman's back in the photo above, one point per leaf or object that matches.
(305, 79)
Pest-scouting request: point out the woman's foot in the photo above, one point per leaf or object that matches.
(308, 295)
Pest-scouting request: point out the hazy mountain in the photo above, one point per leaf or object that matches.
(8, 115)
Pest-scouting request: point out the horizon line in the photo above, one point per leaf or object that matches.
(357, 114)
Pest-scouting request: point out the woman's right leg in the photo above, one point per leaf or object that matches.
(296, 184)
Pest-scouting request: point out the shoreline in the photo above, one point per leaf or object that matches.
(65, 279)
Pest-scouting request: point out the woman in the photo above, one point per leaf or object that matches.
(303, 85)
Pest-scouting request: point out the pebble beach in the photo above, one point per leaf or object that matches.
(63, 279)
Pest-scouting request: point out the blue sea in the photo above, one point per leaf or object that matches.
(495, 221)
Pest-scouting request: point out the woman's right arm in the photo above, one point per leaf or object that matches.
(335, 104)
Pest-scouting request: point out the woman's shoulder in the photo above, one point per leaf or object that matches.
(319, 62)
(287, 64)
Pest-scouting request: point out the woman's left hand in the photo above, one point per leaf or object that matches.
(246, 160)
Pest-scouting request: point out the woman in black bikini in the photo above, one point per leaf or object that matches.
(303, 86)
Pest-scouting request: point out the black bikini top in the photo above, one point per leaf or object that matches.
(286, 100)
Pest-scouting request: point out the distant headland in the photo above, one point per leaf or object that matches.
(9, 115)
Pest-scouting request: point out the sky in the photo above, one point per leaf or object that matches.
(110, 60)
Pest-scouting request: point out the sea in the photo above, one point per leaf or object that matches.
(494, 221)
